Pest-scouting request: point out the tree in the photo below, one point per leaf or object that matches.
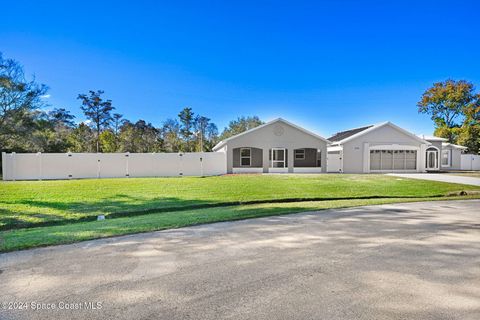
(19, 101)
(186, 117)
(81, 139)
(171, 135)
(117, 122)
(97, 111)
(140, 137)
(445, 102)
(108, 140)
(240, 125)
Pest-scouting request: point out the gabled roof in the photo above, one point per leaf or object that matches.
(223, 142)
(371, 128)
(432, 138)
(339, 136)
(456, 146)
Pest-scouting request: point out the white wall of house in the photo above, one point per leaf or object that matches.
(275, 135)
(356, 152)
(39, 166)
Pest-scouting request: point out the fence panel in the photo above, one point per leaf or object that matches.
(23, 166)
(470, 162)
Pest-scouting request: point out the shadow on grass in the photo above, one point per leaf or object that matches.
(134, 206)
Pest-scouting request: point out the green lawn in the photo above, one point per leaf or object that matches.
(61, 211)
(42, 236)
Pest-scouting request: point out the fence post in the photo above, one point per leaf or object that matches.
(98, 165)
(14, 165)
(4, 165)
(127, 155)
(201, 166)
(39, 165)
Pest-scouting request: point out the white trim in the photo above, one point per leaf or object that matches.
(393, 147)
(302, 155)
(223, 142)
(307, 169)
(449, 158)
(456, 146)
(378, 126)
(245, 157)
(427, 152)
(278, 170)
(247, 170)
(277, 161)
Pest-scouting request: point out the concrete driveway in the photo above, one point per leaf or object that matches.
(439, 177)
(405, 261)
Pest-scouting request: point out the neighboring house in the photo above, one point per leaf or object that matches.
(277, 146)
(386, 147)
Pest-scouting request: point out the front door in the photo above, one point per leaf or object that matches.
(278, 158)
(432, 160)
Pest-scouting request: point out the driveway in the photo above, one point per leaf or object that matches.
(403, 261)
(439, 177)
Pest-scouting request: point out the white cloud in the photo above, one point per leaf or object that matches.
(45, 96)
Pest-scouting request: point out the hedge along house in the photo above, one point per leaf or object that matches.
(380, 148)
(277, 146)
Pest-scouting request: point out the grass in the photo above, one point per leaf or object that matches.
(39, 213)
(37, 203)
(42, 236)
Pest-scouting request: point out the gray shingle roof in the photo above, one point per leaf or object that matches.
(339, 136)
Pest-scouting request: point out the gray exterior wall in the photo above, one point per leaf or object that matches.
(277, 134)
(353, 150)
(256, 155)
(309, 161)
(455, 158)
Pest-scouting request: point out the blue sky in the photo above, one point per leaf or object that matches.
(326, 65)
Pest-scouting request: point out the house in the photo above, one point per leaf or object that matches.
(386, 147)
(277, 146)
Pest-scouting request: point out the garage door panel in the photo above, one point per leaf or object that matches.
(393, 160)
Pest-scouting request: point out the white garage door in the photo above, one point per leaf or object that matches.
(393, 160)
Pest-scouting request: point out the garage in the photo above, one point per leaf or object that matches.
(393, 160)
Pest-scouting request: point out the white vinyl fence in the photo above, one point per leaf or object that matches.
(38, 166)
(470, 162)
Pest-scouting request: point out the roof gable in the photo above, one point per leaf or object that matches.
(339, 136)
(223, 142)
(378, 126)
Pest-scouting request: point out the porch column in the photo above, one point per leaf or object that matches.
(265, 159)
(323, 158)
(229, 154)
(290, 153)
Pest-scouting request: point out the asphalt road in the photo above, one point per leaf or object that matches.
(405, 261)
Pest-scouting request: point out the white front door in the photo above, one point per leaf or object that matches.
(278, 158)
(432, 160)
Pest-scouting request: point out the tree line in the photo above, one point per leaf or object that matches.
(25, 126)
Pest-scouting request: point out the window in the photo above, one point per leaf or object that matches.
(245, 157)
(299, 154)
(446, 155)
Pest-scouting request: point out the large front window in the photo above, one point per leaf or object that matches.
(446, 156)
(245, 157)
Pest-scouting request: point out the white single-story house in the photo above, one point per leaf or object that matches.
(277, 146)
(386, 147)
